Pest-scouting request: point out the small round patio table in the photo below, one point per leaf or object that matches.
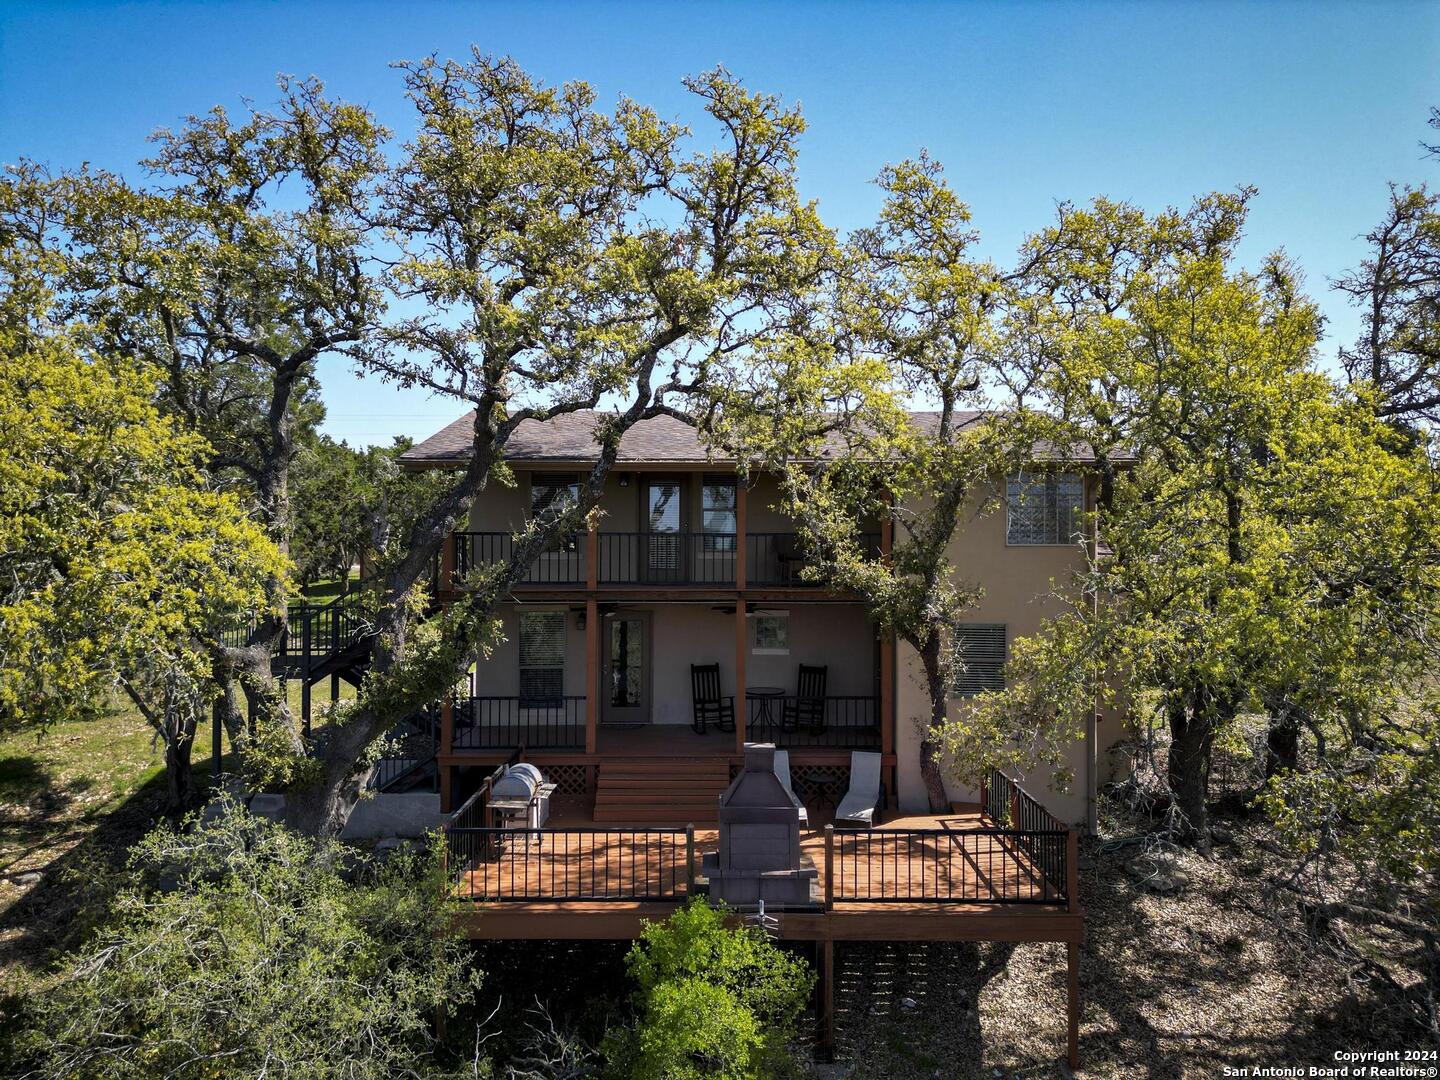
(764, 694)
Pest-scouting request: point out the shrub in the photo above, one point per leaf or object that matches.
(238, 947)
(713, 1001)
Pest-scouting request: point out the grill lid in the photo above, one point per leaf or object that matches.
(519, 782)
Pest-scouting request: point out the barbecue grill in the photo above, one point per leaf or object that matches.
(522, 797)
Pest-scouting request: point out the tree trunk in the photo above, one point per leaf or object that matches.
(179, 774)
(1282, 742)
(1191, 733)
(939, 694)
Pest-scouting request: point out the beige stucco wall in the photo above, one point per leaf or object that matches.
(839, 636)
(1018, 583)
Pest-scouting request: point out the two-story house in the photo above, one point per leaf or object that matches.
(639, 658)
(690, 569)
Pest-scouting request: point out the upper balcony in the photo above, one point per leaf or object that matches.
(700, 560)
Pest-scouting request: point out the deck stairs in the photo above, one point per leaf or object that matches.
(660, 790)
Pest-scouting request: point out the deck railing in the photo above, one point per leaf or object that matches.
(776, 558)
(839, 722)
(590, 864)
(501, 723)
(312, 631)
(949, 866)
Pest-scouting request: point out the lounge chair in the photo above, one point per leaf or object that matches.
(808, 705)
(710, 707)
(782, 772)
(862, 802)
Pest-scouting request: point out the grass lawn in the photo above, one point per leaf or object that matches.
(322, 592)
(80, 789)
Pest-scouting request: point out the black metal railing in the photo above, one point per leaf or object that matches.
(681, 558)
(563, 564)
(837, 722)
(950, 866)
(412, 750)
(501, 723)
(590, 864)
(777, 558)
(312, 631)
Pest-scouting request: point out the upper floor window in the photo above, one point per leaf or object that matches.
(1044, 508)
(982, 658)
(717, 513)
(542, 657)
(551, 494)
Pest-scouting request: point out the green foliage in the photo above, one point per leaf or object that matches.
(115, 552)
(238, 947)
(714, 1002)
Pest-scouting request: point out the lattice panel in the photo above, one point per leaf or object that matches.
(807, 780)
(568, 779)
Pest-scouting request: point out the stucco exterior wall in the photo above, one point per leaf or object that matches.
(1018, 583)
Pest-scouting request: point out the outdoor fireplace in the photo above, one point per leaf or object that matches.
(759, 856)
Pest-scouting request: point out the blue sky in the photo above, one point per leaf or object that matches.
(1026, 104)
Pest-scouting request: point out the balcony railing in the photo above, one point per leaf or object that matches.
(951, 866)
(776, 558)
(564, 564)
(504, 723)
(834, 722)
(680, 558)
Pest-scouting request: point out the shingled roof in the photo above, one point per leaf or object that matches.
(570, 437)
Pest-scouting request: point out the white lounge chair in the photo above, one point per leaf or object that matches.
(782, 772)
(862, 802)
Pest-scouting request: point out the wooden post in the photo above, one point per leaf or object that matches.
(447, 565)
(1072, 1006)
(829, 867)
(741, 491)
(334, 687)
(887, 708)
(592, 559)
(1014, 805)
(689, 861)
(592, 674)
(741, 641)
(1072, 870)
(825, 955)
(307, 647)
(447, 739)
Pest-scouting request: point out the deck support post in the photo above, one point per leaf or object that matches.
(305, 702)
(592, 559)
(829, 866)
(1072, 1006)
(689, 861)
(334, 687)
(592, 673)
(825, 1013)
(741, 640)
(741, 490)
(447, 740)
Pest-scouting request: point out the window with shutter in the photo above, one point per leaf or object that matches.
(1044, 509)
(542, 658)
(982, 658)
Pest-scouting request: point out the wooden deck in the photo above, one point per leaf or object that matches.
(603, 881)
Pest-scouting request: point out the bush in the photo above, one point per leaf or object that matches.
(237, 947)
(713, 1001)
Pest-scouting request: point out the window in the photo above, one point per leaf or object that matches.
(1044, 509)
(550, 495)
(662, 508)
(542, 658)
(981, 648)
(717, 513)
(772, 634)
